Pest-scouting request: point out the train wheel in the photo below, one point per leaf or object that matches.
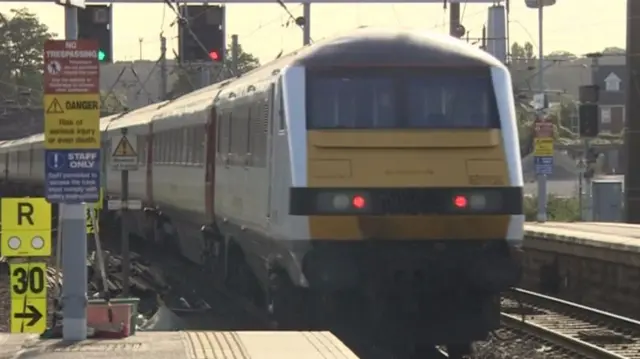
(425, 351)
(459, 351)
(238, 275)
(285, 303)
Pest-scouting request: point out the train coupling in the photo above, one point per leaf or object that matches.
(156, 213)
(208, 231)
(150, 211)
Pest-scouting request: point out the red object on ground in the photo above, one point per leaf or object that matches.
(120, 322)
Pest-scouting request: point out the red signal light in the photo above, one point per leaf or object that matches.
(460, 201)
(214, 55)
(358, 202)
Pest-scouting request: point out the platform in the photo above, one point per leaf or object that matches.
(187, 345)
(592, 263)
(603, 235)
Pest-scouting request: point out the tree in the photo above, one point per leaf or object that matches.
(113, 102)
(246, 61)
(614, 51)
(188, 78)
(21, 56)
(561, 55)
(522, 54)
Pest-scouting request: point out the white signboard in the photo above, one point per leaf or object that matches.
(124, 156)
(116, 204)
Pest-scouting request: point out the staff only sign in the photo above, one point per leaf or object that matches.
(73, 176)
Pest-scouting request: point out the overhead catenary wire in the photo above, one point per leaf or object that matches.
(295, 20)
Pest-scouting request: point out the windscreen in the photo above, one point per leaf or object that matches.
(402, 99)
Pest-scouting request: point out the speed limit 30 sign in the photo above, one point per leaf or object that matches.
(28, 297)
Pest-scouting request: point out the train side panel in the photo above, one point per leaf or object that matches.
(178, 173)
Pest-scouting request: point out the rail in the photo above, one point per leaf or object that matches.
(582, 330)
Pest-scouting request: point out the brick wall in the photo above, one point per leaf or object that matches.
(596, 277)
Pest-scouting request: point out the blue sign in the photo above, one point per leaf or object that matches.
(72, 176)
(544, 165)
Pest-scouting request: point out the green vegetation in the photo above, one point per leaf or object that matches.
(559, 209)
(563, 112)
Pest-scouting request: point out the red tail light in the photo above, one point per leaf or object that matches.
(358, 202)
(460, 201)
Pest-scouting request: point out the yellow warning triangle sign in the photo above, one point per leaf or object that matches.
(55, 107)
(124, 149)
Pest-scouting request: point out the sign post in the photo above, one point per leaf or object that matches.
(72, 156)
(26, 232)
(124, 158)
(543, 147)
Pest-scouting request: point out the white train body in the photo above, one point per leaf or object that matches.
(242, 164)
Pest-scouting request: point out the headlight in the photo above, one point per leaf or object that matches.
(340, 201)
(477, 201)
(482, 201)
(346, 202)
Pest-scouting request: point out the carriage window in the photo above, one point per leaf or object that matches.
(189, 145)
(352, 102)
(401, 98)
(460, 100)
(282, 113)
(164, 145)
(224, 133)
(199, 144)
(142, 150)
(176, 139)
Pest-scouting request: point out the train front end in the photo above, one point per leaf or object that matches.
(414, 182)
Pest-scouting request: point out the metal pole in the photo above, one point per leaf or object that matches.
(59, 255)
(306, 30)
(74, 255)
(588, 200)
(163, 68)
(580, 189)
(632, 115)
(126, 255)
(587, 184)
(454, 19)
(205, 75)
(234, 54)
(542, 178)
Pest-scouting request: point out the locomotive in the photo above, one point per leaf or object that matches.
(377, 171)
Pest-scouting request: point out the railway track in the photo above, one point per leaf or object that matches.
(585, 332)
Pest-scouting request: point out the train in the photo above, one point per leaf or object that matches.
(375, 173)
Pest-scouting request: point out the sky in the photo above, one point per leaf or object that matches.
(578, 26)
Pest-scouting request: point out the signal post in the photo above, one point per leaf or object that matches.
(26, 233)
(72, 156)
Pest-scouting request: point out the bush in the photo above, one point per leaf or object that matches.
(559, 209)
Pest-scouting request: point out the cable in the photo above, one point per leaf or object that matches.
(296, 20)
(464, 8)
(163, 18)
(262, 26)
(184, 24)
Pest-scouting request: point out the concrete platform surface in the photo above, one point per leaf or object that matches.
(187, 345)
(616, 236)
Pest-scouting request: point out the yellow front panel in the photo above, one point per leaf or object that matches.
(409, 158)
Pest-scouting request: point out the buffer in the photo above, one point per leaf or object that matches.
(55, 107)
(124, 149)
